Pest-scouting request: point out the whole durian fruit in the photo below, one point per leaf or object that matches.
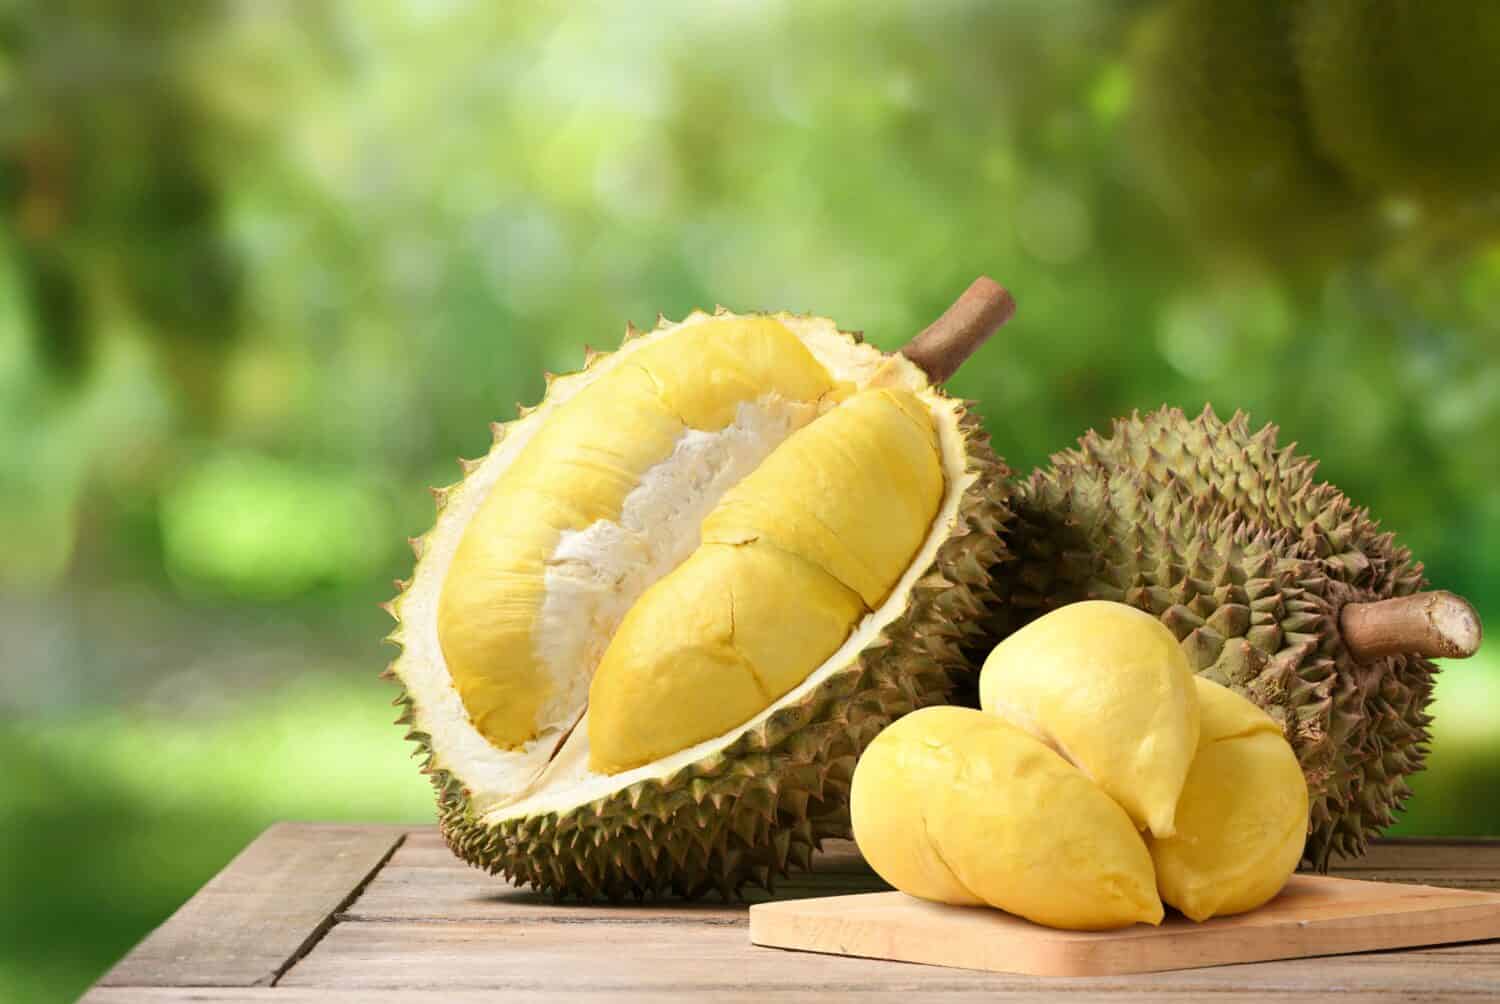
(1401, 93)
(1275, 584)
(654, 627)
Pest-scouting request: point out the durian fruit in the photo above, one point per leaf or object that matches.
(1275, 584)
(1401, 93)
(653, 628)
(1108, 687)
(1242, 820)
(959, 806)
(1219, 130)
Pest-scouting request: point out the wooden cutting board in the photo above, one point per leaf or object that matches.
(1314, 915)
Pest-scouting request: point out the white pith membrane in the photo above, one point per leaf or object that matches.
(596, 574)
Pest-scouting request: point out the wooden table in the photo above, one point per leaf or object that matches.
(359, 913)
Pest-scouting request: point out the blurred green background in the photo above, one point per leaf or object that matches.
(267, 268)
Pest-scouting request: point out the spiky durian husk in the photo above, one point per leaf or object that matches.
(758, 807)
(1236, 546)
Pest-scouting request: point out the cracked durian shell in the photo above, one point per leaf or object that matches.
(1235, 545)
(754, 803)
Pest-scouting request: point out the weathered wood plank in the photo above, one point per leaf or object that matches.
(1478, 857)
(424, 881)
(1061, 991)
(265, 908)
(429, 928)
(714, 960)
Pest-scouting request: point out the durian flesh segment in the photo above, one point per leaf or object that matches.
(792, 557)
(706, 648)
(854, 493)
(959, 806)
(578, 469)
(1242, 819)
(1109, 687)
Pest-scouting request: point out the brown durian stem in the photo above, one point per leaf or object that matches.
(1437, 625)
(944, 345)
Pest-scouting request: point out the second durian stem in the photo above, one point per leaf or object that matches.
(944, 344)
(1435, 625)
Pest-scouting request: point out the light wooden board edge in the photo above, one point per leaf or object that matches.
(695, 995)
(263, 911)
(1413, 917)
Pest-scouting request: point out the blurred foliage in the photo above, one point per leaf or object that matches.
(265, 268)
(125, 816)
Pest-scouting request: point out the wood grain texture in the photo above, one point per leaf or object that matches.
(423, 881)
(1314, 915)
(429, 929)
(874, 995)
(265, 908)
(658, 960)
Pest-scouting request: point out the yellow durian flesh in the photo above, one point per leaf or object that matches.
(792, 557)
(959, 806)
(579, 467)
(1243, 816)
(854, 493)
(707, 648)
(1108, 687)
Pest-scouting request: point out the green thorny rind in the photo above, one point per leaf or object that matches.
(758, 807)
(1235, 545)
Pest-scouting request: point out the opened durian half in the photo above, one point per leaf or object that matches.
(653, 628)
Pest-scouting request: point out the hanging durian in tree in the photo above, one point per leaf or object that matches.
(653, 628)
(1275, 584)
(1401, 93)
(1218, 126)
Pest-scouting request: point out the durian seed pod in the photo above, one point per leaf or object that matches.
(1275, 584)
(753, 803)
